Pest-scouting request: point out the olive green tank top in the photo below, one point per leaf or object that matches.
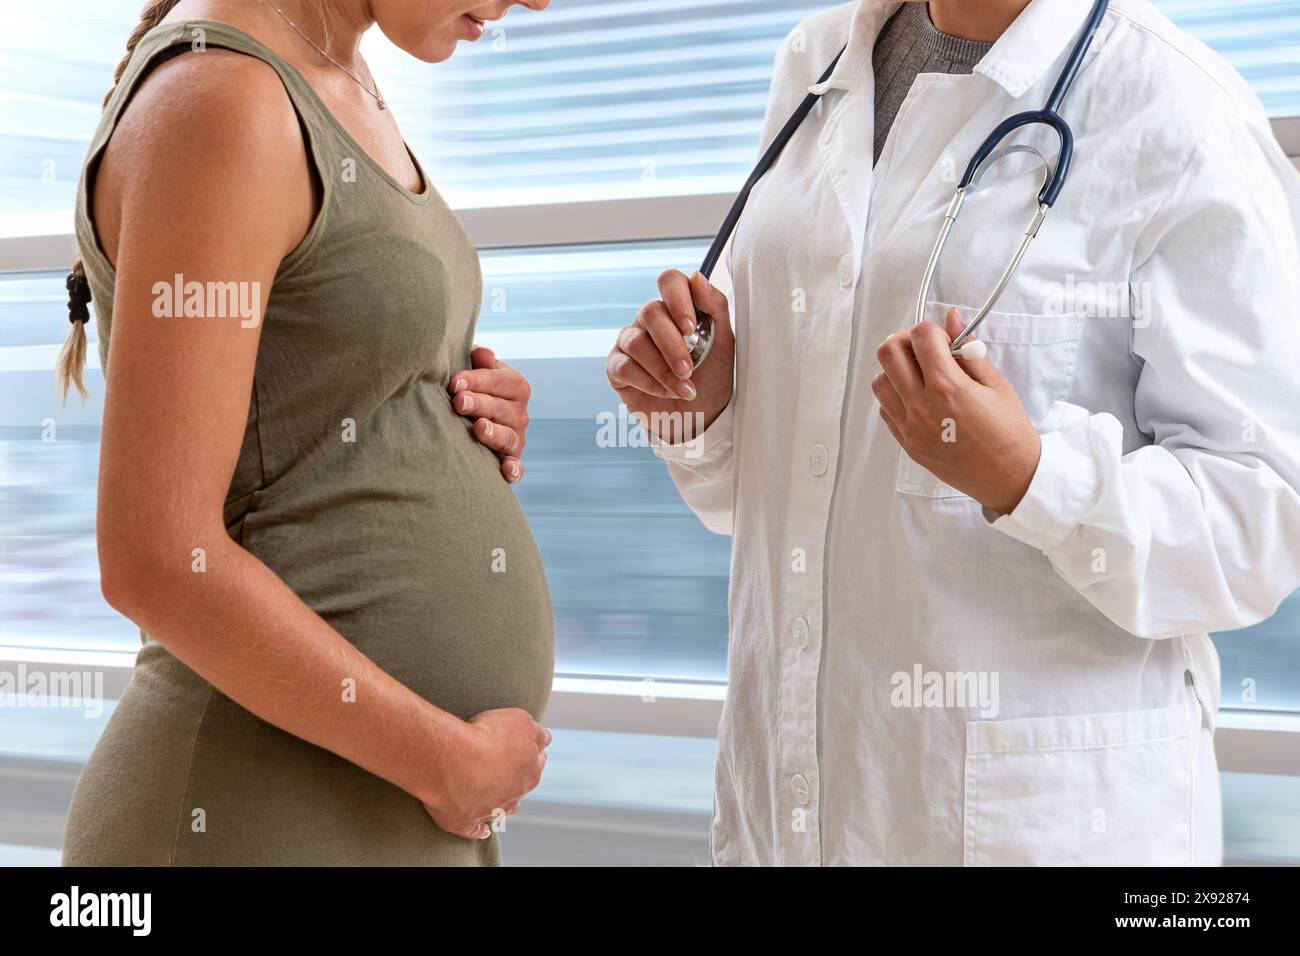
(357, 482)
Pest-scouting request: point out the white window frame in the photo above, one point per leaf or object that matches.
(1247, 741)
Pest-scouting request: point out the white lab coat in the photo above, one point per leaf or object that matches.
(912, 681)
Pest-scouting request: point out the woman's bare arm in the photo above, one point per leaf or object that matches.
(207, 177)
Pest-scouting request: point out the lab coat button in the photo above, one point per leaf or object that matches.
(818, 458)
(802, 792)
(800, 632)
(845, 271)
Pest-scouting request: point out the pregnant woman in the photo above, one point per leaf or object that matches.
(304, 495)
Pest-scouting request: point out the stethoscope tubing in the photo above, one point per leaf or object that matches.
(765, 163)
(701, 340)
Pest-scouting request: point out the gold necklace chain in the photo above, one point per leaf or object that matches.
(375, 93)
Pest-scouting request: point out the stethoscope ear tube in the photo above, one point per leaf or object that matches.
(963, 346)
(959, 343)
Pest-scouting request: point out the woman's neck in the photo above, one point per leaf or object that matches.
(336, 27)
(981, 20)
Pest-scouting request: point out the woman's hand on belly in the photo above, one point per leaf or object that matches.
(496, 397)
(500, 760)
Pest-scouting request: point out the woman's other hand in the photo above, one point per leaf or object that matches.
(496, 397)
(500, 760)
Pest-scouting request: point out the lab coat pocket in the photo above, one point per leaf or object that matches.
(1037, 354)
(1097, 790)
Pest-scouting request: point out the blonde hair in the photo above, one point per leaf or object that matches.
(70, 369)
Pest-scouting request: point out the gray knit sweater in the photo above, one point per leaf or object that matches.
(909, 45)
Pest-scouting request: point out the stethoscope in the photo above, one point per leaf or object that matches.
(701, 340)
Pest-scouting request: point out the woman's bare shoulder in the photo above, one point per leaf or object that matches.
(208, 120)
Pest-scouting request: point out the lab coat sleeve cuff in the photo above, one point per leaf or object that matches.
(1063, 487)
(709, 444)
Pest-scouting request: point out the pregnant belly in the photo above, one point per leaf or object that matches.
(419, 554)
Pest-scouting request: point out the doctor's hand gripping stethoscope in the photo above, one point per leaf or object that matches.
(650, 366)
(926, 383)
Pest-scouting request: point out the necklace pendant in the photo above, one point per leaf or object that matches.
(382, 104)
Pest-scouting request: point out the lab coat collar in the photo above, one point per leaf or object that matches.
(868, 19)
(1036, 40)
(1017, 61)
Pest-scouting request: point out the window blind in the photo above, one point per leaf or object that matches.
(590, 99)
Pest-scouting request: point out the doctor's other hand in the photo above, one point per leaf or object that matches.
(957, 418)
(495, 396)
(496, 761)
(650, 366)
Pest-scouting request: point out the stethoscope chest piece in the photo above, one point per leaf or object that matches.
(700, 341)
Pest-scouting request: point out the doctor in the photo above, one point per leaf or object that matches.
(970, 598)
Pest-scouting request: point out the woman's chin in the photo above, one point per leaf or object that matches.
(434, 51)
(428, 46)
